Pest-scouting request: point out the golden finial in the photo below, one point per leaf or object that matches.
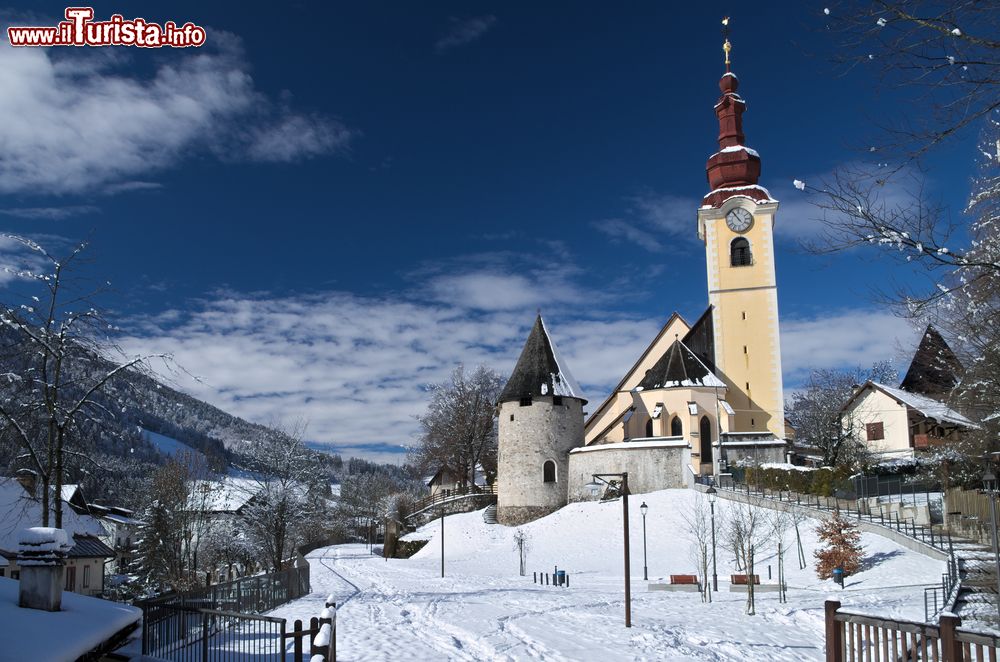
(726, 46)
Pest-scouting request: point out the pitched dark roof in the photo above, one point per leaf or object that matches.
(89, 547)
(679, 367)
(539, 370)
(701, 339)
(934, 369)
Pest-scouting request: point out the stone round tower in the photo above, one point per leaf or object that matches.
(540, 420)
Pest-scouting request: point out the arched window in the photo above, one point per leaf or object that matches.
(739, 253)
(676, 427)
(549, 472)
(649, 428)
(705, 433)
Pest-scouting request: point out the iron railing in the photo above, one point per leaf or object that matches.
(255, 594)
(450, 495)
(182, 633)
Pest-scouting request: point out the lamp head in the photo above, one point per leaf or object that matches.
(643, 509)
(594, 487)
(712, 494)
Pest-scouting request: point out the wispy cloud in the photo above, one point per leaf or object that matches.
(70, 128)
(653, 221)
(462, 31)
(49, 213)
(844, 339)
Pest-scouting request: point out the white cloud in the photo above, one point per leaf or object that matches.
(49, 213)
(72, 121)
(845, 339)
(464, 31)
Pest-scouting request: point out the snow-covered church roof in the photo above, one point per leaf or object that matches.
(540, 370)
(679, 367)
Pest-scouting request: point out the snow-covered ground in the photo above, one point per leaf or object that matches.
(482, 609)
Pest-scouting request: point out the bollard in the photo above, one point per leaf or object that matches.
(769, 571)
(567, 580)
(534, 578)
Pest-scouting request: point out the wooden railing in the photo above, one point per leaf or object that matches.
(450, 495)
(852, 637)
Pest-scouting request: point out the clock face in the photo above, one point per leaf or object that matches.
(739, 220)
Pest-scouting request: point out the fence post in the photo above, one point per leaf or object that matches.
(297, 642)
(204, 636)
(951, 648)
(330, 604)
(313, 627)
(834, 635)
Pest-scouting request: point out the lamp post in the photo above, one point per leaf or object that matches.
(989, 480)
(712, 496)
(645, 571)
(595, 487)
(442, 540)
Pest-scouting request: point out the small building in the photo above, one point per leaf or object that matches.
(85, 561)
(899, 421)
(446, 480)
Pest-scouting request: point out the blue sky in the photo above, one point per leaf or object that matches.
(330, 205)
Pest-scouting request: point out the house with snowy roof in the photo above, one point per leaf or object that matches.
(899, 421)
(699, 398)
(85, 560)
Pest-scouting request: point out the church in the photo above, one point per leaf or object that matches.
(701, 397)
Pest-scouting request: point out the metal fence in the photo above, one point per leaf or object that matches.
(255, 594)
(181, 633)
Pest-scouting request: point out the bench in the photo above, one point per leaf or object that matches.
(741, 580)
(678, 583)
(684, 579)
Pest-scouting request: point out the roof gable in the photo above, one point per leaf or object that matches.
(675, 326)
(934, 369)
(922, 404)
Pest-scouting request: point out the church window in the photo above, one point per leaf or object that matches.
(744, 314)
(745, 349)
(676, 427)
(705, 435)
(739, 253)
(649, 428)
(549, 471)
(557, 400)
(512, 417)
(526, 402)
(875, 431)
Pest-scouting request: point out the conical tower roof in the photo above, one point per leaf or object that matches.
(540, 370)
(934, 369)
(679, 367)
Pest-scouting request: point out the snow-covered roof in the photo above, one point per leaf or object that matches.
(540, 370)
(638, 444)
(83, 624)
(20, 511)
(227, 495)
(742, 189)
(679, 367)
(929, 407)
(737, 148)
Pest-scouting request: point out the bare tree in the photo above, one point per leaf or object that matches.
(698, 524)
(458, 431)
(287, 493)
(746, 532)
(61, 358)
(820, 425)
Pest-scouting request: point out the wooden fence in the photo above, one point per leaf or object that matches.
(854, 637)
(321, 636)
(968, 513)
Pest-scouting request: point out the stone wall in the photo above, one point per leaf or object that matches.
(529, 436)
(650, 466)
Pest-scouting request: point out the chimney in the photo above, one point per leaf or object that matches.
(28, 480)
(41, 554)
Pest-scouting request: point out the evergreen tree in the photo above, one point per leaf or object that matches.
(843, 547)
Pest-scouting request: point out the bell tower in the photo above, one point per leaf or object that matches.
(736, 222)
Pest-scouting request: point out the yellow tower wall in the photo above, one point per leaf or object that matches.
(745, 316)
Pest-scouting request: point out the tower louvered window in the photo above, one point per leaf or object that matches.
(739, 253)
(549, 471)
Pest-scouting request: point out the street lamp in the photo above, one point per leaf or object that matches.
(989, 480)
(712, 496)
(645, 571)
(595, 486)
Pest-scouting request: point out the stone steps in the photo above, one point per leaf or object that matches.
(490, 514)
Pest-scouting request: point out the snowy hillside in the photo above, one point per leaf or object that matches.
(482, 609)
(166, 445)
